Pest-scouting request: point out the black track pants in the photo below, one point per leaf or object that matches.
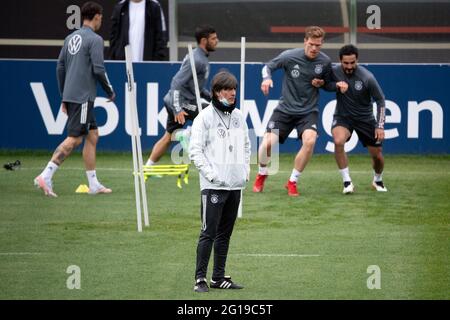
(219, 210)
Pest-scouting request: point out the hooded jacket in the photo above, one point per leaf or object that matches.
(220, 149)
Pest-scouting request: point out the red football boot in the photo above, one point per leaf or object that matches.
(258, 186)
(292, 189)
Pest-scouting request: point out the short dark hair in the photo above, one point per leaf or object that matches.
(223, 80)
(203, 32)
(90, 9)
(348, 50)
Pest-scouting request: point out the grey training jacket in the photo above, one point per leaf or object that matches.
(80, 65)
(298, 95)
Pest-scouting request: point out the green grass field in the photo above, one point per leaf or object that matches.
(316, 246)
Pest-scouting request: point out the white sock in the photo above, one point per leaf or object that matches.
(377, 177)
(263, 171)
(295, 175)
(149, 162)
(49, 171)
(345, 173)
(92, 178)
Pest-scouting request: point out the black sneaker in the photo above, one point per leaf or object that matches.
(201, 285)
(12, 165)
(225, 283)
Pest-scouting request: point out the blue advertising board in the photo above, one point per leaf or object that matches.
(417, 101)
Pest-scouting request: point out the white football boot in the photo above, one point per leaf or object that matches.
(349, 188)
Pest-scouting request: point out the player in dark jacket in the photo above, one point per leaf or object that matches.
(154, 30)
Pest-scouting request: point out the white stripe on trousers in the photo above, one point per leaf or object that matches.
(83, 116)
(204, 201)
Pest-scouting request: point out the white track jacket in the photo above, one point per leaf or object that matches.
(220, 149)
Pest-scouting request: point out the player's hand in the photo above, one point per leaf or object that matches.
(112, 98)
(265, 85)
(179, 117)
(342, 86)
(379, 134)
(317, 82)
(217, 181)
(63, 107)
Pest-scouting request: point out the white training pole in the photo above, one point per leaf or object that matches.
(138, 173)
(135, 118)
(133, 144)
(241, 100)
(140, 161)
(194, 76)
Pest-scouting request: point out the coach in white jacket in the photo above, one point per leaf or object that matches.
(220, 149)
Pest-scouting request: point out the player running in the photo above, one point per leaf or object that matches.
(180, 101)
(354, 111)
(305, 71)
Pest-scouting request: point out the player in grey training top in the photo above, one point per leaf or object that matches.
(180, 102)
(182, 90)
(298, 95)
(305, 71)
(80, 66)
(354, 111)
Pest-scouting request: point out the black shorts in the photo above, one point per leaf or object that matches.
(81, 118)
(285, 123)
(171, 125)
(364, 129)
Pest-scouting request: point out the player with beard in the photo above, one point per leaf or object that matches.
(354, 111)
(180, 101)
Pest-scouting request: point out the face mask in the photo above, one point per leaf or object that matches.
(224, 102)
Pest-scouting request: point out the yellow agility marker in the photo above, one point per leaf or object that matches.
(82, 188)
(180, 170)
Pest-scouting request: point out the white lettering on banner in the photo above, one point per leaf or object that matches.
(153, 117)
(162, 118)
(54, 127)
(437, 115)
(112, 116)
(251, 109)
(152, 108)
(394, 117)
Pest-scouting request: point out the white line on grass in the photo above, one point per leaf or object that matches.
(371, 172)
(278, 172)
(18, 253)
(80, 169)
(276, 255)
